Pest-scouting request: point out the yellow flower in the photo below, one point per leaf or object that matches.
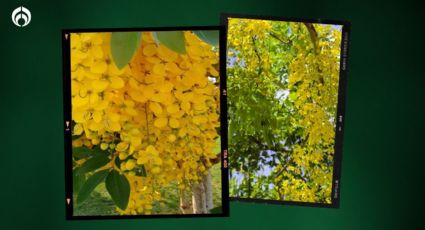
(174, 123)
(149, 50)
(161, 122)
(122, 146)
(173, 108)
(156, 108)
(171, 138)
(156, 170)
(130, 164)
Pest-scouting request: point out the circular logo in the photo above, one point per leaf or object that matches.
(21, 16)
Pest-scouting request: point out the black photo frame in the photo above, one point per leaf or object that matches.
(340, 111)
(66, 76)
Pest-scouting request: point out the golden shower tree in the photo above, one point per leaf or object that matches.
(282, 92)
(145, 113)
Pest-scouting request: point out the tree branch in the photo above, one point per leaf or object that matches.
(260, 69)
(275, 36)
(313, 35)
(262, 146)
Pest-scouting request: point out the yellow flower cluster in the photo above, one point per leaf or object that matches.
(249, 36)
(316, 76)
(315, 97)
(244, 27)
(160, 111)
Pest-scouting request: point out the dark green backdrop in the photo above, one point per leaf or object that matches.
(382, 179)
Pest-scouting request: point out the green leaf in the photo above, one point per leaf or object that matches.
(94, 163)
(173, 40)
(77, 180)
(217, 210)
(211, 37)
(84, 152)
(90, 185)
(124, 46)
(292, 96)
(118, 162)
(119, 188)
(75, 137)
(81, 152)
(254, 99)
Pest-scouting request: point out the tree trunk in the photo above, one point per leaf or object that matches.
(185, 206)
(198, 199)
(202, 195)
(208, 191)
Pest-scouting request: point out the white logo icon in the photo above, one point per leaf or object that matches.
(21, 16)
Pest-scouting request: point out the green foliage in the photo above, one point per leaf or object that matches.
(90, 185)
(123, 47)
(119, 188)
(282, 97)
(93, 163)
(211, 37)
(77, 180)
(217, 210)
(84, 152)
(81, 152)
(100, 202)
(174, 40)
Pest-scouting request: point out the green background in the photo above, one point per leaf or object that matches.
(382, 181)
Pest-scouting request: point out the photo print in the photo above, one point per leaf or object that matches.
(286, 88)
(143, 123)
